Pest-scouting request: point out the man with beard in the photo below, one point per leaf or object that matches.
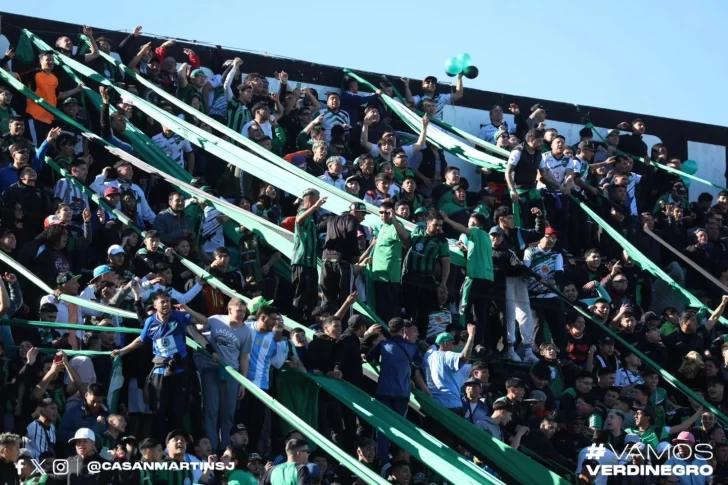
(332, 114)
(429, 90)
(689, 337)
(172, 223)
(120, 176)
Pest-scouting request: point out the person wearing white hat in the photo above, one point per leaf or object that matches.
(77, 468)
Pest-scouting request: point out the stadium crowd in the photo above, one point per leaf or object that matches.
(502, 342)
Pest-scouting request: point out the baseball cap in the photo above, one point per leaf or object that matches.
(256, 303)
(48, 308)
(606, 341)
(298, 160)
(473, 381)
(70, 101)
(198, 72)
(587, 145)
(83, 434)
(332, 93)
(685, 436)
(357, 320)
(431, 78)
(649, 316)
(499, 134)
(631, 438)
(111, 191)
(4, 231)
(536, 396)
(237, 429)
(254, 457)
(444, 338)
(101, 270)
(314, 472)
(496, 230)
(420, 210)
(538, 106)
(115, 249)
(176, 432)
(353, 178)
(65, 277)
(52, 221)
(551, 230)
(358, 207)
(486, 192)
(457, 187)
(638, 449)
(613, 132)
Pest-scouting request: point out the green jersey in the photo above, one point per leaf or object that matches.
(446, 196)
(305, 239)
(415, 203)
(652, 435)
(424, 254)
(480, 255)
(287, 474)
(189, 92)
(5, 115)
(237, 115)
(387, 260)
(452, 207)
(240, 477)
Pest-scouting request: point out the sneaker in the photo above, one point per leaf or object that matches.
(529, 356)
(513, 355)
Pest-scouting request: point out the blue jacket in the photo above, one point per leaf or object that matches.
(9, 175)
(480, 412)
(396, 357)
(77, 417)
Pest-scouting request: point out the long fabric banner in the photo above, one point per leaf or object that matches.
(442, 140)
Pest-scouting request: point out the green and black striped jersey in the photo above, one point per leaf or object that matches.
(424, 254)
(238, 115)
(305, 241)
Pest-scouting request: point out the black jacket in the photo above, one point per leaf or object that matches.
(341, 241)
(505, 264)
(634, 145)
(348, 357)
(321, 353)
(519, 239)
(8, 473)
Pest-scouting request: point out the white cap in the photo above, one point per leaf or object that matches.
(83, 434)
(116, 249)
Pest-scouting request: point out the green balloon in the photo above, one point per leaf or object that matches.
(453, 66)
(686, 182)
(690, 167)
(465, 59)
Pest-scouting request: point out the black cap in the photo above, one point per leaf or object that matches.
(358, 206)
(457, 187)
(48, 308)
(486, 192)
(4, 231)
(538, 106)
(354, 178)
(431, 78)
(586, 145)
(679, 187)
(65, 277)
(177, 432)
(238, 428)
(357, 321)
(473, 381)
(585, 132)
(649, 316)
(606, 341)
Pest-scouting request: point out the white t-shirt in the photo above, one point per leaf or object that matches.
(175, 147)
(408, 150)
(266, 128)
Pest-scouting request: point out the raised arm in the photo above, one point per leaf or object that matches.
(364, 137)
(459, 90)
(230, 78)
(311, 210)
(422, 140)
(94, 52)
(144, 51)
(469, 344)
(350, 300)
(182, 75)
(715, 317)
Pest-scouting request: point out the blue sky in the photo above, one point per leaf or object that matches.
(651, 57)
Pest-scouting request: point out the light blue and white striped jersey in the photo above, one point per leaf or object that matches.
(265, 352)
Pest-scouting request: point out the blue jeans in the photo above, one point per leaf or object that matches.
(398, 405)
(219, 400)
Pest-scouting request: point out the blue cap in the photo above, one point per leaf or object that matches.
(496, 230)
(101, 270)
(314, 472)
